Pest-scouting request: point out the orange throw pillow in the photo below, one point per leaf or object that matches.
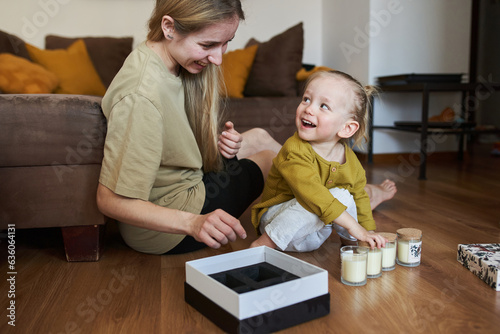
(72, 66)
(236, 66)
(20, 76)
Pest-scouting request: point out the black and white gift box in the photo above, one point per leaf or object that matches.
(257, 290)
(483, 260)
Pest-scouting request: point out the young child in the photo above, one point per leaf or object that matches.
(316, 181)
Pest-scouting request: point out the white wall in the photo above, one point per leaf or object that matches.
(425, 36)
(267, 18)
(388, 37)
(341, 19)
(385, 37)
(32, 20)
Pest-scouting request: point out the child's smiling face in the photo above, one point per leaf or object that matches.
(324, 109)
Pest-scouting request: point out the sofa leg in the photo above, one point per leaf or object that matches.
(83, 243)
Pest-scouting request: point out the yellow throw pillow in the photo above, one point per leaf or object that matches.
(20, 76)
(72, 66)
(236, 66)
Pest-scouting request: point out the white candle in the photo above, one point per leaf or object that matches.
(353, 270)
(374, 265)
(389, 256)
(374, 260)
(403, 251)
(389, 251)
(409, 247)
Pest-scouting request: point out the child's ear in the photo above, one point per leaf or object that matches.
(349, 129)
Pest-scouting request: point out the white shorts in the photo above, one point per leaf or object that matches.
(294, 229)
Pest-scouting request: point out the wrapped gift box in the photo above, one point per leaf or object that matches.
(257, 290)
(483, 260)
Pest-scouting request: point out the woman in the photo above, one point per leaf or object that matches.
(169, 176)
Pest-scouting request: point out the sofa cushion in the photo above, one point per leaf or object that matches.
(276, 63)
(236, 66)
(107, 53)
(72, 66)
(36, 196)
(55, 130)
(13, 44)
(20, 76)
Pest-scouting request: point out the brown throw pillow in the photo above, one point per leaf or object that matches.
(107, 53)
(13, 45)
(276, 63)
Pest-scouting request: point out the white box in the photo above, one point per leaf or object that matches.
(483, 260)
(310, 286)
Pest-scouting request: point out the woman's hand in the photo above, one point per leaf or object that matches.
(217, 228)
(214, 229)
(229, 141)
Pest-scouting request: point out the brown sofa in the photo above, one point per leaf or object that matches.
(50, 156)
(51, 145)
(51, 148)
(275, 114)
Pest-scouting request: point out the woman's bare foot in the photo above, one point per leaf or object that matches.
(379, 193)
(263, 240)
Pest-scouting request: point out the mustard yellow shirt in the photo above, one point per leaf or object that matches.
(299, 172)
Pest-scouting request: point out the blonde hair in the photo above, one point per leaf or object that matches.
(202, 91)
(359, 106)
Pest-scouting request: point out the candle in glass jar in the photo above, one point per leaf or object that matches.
(353, 261)
(409, 247)
(374, 260)
(403, 250)
(389, 251)
(374, 266)
(354, 269)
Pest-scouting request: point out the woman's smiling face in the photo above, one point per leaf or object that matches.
(196, 50)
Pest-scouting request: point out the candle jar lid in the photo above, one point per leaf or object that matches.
(391, 237)
(409, 233)
(363, 244)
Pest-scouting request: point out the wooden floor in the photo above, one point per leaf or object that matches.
(128, 292)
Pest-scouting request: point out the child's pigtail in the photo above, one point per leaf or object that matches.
(371, 92)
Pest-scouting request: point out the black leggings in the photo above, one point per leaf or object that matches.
(232, 190)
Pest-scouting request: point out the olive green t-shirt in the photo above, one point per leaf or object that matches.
(150, 151)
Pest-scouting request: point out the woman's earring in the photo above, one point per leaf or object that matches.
(170, 37)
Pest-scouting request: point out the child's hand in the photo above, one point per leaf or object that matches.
(229, 141)
(375, 240)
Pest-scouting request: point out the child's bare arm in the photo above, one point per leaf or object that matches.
(345, 220)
